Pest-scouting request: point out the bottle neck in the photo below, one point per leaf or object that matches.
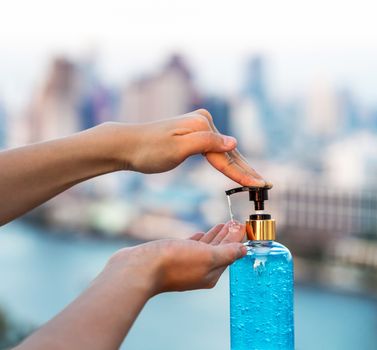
(260, 216)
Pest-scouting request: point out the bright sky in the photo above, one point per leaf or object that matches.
(335, 40)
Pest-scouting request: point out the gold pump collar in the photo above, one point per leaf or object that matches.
(261, 230)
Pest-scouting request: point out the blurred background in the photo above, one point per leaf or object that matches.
(294, 81)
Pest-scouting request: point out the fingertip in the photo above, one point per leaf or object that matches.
(252, 181)
(269, 183)
(233, 223)
(239, 251)
(230, 142)
(236, 230)
(242, 251)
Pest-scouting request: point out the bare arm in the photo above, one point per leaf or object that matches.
(102, 316)
(30, 175)
(33, 174)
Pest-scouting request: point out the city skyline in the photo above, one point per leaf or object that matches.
(294, 82)
(308, 132)
(292, 71)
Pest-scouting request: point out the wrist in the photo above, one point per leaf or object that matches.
(108, 139)
(117, 144)
(135, 268)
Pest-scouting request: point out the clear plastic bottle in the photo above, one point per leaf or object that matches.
(261, 284)
(261, 298)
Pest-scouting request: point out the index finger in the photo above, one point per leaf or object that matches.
(232, 164)
(229, 166)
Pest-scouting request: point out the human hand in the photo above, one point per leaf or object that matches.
(163, 145)
(102, 315)
(178, 265)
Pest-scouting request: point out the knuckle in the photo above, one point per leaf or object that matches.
(210, 261)
(232, 255)
(201, 121)
(205, 113)
(231, 161)
(229, 255)
(207, 141)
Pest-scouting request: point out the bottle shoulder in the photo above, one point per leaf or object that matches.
(267, 248)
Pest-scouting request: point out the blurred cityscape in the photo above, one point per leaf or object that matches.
(319, 149)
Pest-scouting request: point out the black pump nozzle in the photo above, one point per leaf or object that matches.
(256, 194)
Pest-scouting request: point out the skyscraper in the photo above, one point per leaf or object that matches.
(350, 112)
(246, 126)
(258, 111)
(53, 110)
(255, 82)
(322, 111)
(96, 104)
(165, 94)
(220, 111)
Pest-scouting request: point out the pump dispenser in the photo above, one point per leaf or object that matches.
(261, 284)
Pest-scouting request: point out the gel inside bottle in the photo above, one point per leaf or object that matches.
(261, 286)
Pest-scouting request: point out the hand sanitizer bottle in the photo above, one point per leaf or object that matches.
(261, 285)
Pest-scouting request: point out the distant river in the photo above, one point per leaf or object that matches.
(41, 273)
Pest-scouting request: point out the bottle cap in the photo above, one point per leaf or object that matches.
(260, 226)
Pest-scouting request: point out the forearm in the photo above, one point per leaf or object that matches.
(99, 319)
(33, 174)
(102, 316)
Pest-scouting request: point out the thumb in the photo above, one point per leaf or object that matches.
(226, 254)
(207, 141)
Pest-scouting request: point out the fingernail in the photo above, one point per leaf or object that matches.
(243, 251)
(234, 223)
(234, 226)
(229, 141)
(233, 229)
(269, 183)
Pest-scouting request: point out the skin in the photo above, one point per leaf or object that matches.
(40, 171)
(101, 317)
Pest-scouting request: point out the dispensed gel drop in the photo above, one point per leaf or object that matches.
(261, 285)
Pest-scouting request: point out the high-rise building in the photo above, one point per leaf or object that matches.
(53, 109)
(349, 111)
(322, 111)
(255, 85)
(97, 102)
(220, 111)
(371, 124)
(352, 162)
(246, 126)
(166, 94)
(257, 111)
